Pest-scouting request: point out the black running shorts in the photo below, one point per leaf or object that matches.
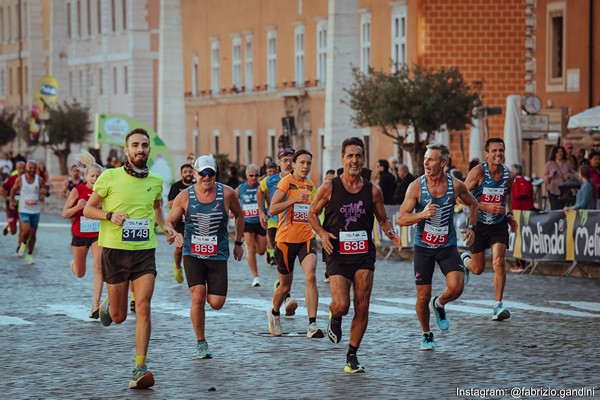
(212, 273)
(424, 260)
(487, 235)
(78, 241)
(347, 270)
(286, 253)
(272, 233)
(255, 228)
(127, 265)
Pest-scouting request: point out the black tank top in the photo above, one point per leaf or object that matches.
(349, 216)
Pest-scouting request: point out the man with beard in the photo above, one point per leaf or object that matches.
(33, 191)
(491, 183)
(187, 179)
(131, 204)
(350, 203)
(12, 216)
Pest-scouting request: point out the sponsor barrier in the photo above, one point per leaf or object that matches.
(573, 236)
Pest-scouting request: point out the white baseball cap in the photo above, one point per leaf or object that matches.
(204, 162)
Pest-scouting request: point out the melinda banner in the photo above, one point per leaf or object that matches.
(541, 236)
(551, 235)
(586, 235)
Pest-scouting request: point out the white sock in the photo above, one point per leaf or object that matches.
(437, 303)
(498, 304)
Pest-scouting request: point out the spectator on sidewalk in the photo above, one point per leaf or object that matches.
(570, 156)
(263, 168)
(595, 173)
(234, 180)
(556, 171)
(329, 175)
(393, 161)
(587, 193)
(404, 179)
(473, 163)
(73, 180)
(6, 167)
(522, 199)
(580, 155)
(387, 181)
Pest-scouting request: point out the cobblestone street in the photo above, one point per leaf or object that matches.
(50, 349)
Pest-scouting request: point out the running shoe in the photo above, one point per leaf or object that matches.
(427, 342)
(517, 268)
(29, 259)
(202, 351)
(314, 332)
(276, 286)
(334, 329)
(21, 250)
(500, 313)
(274, 323)
(353, 366)
(178, 273)
(326, 280)
(95, 314)
(132, 306)
(141, 378)
(5, 231)
(105, 312)
(464, 257)
(440, 315)
(255, 282)
(290, 306)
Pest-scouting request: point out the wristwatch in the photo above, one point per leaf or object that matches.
(239, 242)
(109, 215)
(470, 226)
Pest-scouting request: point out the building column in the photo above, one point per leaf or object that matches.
(171, 102)
(342, 54)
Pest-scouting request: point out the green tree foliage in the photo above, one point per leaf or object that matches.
(69, 124)
(223, 164)
(8, 132)
(421, 98)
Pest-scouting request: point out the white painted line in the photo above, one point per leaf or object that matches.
(584, 305)
(177, 310)
(450, 307)
(7, 320)
(75, 311)
(527, 307)
(53, 225)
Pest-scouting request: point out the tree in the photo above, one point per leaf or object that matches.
(68, 124)
(7, 129)
(423, 99)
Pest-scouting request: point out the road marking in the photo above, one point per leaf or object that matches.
(451, 306)
(75, 311)
(80, 312)
(457, 306)
(8, 320)
(585, 305)
(527, 307)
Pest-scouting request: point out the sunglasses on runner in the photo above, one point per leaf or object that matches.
(253, 175)
(207, 172)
